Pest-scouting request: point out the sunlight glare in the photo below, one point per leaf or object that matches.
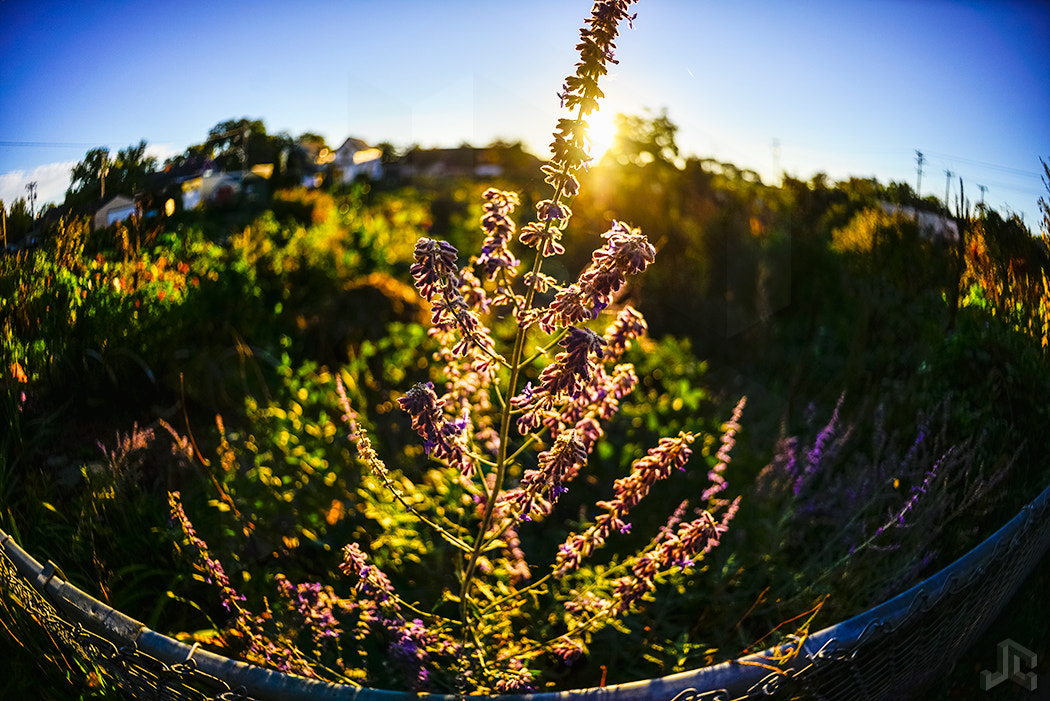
(601, 131)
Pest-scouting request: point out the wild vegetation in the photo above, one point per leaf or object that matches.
(188, 401)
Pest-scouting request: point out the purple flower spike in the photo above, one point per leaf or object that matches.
(441, 437)
(627, 252)
(434, 267)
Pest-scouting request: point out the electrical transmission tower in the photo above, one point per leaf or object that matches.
(920, 159)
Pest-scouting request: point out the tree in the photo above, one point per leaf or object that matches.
(309, 137)
(19, 221)
(642, 139)
(238, 144)
(131, 169)
(31, 189)
(86, 177)
(98, 175)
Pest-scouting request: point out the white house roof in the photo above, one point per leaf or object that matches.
(352, 145)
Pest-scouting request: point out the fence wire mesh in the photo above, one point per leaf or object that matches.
(887, 652)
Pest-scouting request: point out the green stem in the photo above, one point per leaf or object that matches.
(516, 593)
(515, 366)
(543, 351)
(441, 531)
(589, 623)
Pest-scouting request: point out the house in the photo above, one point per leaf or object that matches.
(116, 209)
(932, 226)
(462, 162)
(496, 160)
(355, 158)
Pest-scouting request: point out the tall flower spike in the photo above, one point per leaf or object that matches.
(658, 463)
(435, 267)
(729, 431)
(679, 546)
(580, 91)
(213, 569)
(495, 256)
(541, 487)
(440, 436)
(629, 324)
(627, 252)
(573, 367)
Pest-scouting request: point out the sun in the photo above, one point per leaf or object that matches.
(601, 132)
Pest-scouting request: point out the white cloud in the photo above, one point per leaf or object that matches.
(51, 180)
(162, 152)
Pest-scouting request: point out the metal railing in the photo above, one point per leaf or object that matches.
(886, 652)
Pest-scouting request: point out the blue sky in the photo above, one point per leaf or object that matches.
(844, 87)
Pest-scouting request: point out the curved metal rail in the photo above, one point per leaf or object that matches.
(886, 652)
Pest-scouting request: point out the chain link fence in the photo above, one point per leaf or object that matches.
(886, 652)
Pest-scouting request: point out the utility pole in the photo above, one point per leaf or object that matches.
(3, 218)
(983, 189)
(776, 161)
(31, 189)
(920, 159)
(103, 171)
(947, 187)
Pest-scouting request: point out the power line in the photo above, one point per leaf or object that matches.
(982, 164)
(44, 144)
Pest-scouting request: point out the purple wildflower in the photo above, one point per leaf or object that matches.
(596, 46)
(515, 679)
(657, 464)
(517, 566)
(435, 267)
(598, 399)
(452, 312)
(541, 487)
(566, 650)
(550, 211)
(315, 604)
(412, 645)
(569, 307)
(629, 325)
(259, 648)
(898, 520)
(495, 256)
(562, 462)
(544, 237)
(213, 569)
(817, 452)
(474, 296)
(409, 650)
(627, 252)
(678, 547)
(729, 431)
(563, 377)
(372, 582)
(440, 436)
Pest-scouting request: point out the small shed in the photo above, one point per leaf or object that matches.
(117, 209)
